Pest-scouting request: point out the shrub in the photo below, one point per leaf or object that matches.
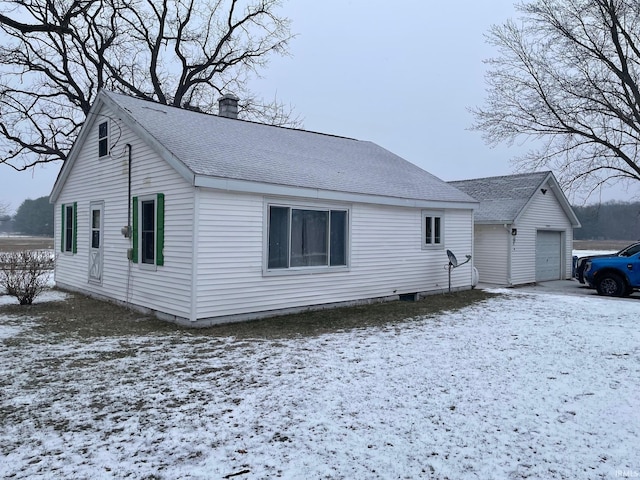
(25, 274)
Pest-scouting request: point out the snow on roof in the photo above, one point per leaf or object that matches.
(213, 146)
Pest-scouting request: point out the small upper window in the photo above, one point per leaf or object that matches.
(103, 139)
(432, 229)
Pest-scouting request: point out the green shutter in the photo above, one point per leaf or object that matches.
(74, 248)
(160, 229)
(134, 233)
(62, 229)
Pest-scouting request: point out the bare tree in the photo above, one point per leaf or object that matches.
(4, 209)
(72, 10)
(56, 55)
(567, 75)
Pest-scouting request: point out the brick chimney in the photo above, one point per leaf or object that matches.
(228, 106)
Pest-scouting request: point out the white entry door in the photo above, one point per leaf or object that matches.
(95, 242)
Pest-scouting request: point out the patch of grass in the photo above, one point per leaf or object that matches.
(84, 317)
(347, 318)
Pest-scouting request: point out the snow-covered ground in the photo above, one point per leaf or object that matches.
(521, 386)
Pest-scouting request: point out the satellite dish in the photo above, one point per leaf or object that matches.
(453, 261)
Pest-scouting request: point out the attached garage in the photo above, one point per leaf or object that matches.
(523, 228)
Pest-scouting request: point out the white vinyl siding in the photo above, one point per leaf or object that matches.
(386, 258)
(94, 179)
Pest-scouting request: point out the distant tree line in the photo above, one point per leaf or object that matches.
(34, 217)
(608, 221)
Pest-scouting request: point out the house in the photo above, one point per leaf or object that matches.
(204, 219)
(523, 228)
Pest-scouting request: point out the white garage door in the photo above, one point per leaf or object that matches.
(548, 256)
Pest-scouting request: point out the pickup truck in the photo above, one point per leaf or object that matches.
(581, 261)
(613, 276)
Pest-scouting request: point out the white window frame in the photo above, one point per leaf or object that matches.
(301, 270)
(434, 243)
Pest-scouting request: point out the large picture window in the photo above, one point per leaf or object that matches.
(306, 237)
(432, 229)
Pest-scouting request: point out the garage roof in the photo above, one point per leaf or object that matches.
(503, 199)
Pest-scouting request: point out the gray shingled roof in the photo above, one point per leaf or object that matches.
(501, 198)
(220, 147)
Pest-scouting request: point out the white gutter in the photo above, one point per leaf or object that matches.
(245, 186)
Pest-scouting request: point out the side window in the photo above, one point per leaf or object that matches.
(432, 229)
(632, 250)
(96, 226)
(148, 230)
(69, 228)
(306, 237)
(103, 139)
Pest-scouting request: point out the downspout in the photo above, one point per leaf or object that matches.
(129, 193)
(127, 230)
(510, 240)
(473, 247)
(194, 255)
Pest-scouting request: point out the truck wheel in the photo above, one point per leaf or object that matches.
(611, 285)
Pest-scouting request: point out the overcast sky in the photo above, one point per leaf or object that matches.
(400, 74)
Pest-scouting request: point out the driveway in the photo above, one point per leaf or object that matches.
(564, 287)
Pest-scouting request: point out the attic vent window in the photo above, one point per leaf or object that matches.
(103, 139)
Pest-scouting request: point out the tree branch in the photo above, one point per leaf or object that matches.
(568, 75)
(180, 52)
